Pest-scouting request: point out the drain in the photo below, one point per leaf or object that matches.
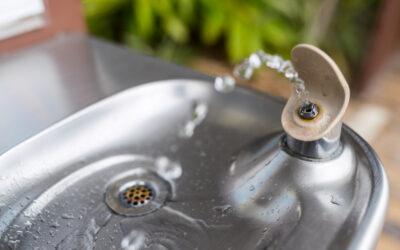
(137, 194)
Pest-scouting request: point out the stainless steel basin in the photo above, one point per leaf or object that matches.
(64, 188)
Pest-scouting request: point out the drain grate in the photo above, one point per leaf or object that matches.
(137, 194)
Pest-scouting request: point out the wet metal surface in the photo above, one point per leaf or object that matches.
(235, 178)
(228, 184)
(42, 85)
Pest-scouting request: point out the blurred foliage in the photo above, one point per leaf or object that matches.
(177, 29)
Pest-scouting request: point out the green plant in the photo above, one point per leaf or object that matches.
(175, 29)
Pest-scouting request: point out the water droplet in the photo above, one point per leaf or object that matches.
(54, 224)
(67, 216)
(168, 169)
(135, 240)
(28, 224)
(251, 187)
(243, 69)
(224, 210)
(263, 56)
(336, 201)
(297, 82)
(224, 84)
(275, 62)
(290, 73)
(199, 112)
(255, 60)
(285, 66)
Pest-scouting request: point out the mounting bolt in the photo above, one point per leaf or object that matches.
(308, 111)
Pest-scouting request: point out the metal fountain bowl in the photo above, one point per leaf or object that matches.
(74, 185)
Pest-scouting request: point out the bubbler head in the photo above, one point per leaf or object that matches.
(308, 111)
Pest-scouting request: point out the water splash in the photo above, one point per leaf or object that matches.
(135, 240)
(246, 67)
(224, 84)
(244, 70)
(167, 168)
(199, 112)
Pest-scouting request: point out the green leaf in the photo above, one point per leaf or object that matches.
(136, 42)
(186, 10)
(234, 40)
(176, 29)
(101, 28)
(212, 26)
(93, 8)
(253, 42)
(144, 18)
(279, 35)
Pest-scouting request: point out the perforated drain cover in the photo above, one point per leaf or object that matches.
(137, 194)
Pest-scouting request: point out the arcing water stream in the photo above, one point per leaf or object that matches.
(245, 69)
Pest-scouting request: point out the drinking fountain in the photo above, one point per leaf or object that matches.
(186, 164)
(309, 176)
